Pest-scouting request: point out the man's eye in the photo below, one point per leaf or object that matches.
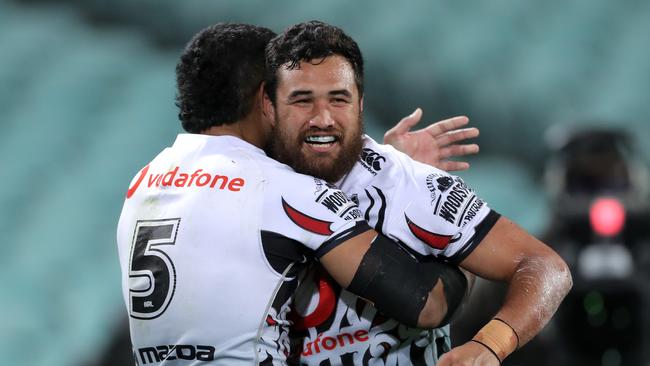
(301, 101)
(340, 100)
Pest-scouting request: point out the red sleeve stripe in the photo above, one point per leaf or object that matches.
(436, 241)
(307, 222)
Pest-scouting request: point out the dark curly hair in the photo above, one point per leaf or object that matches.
(218, 74)
(309, 41)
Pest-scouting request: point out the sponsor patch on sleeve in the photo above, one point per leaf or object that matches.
(338, 203)
(452, 199)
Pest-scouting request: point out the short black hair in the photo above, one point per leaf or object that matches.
(306, 42)
(218, 74)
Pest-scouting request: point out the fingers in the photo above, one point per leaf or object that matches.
(446, 125)
(402, 127)
(451, 137)
(458, 150)
(405, 124)
(455, 151)
(451, 166)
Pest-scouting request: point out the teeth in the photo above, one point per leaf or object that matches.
(320, 139)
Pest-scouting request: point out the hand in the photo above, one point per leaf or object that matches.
(469, 354)
(435, 143)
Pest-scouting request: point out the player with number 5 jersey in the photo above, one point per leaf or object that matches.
(213, 232)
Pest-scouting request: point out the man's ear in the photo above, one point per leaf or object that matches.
(268, 110)
(361, 104)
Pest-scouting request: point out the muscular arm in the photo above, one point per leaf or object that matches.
(343, 261)
(390, 278)
(538, 279)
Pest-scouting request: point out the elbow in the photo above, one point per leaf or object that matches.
(554, 277)
(565, 278)
(559, 274)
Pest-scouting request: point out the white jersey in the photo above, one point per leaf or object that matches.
(427, 211)
(210, 240)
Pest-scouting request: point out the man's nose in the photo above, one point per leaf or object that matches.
(322, 117)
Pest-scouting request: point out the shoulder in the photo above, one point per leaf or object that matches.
(377, 157)
(383, 166)
(311, 211)
(376, 163)
(317, 197)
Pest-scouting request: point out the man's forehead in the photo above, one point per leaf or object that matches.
(333, 71)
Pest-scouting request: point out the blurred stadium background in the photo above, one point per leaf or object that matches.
(87, 98)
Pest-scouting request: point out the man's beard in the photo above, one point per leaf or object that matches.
(287, 150)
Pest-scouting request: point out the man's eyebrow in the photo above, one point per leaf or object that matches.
(343, 92)
(299, 93)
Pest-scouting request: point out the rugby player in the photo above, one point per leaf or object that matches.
(314, 94)
(213, 232)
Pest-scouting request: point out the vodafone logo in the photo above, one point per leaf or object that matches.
(340, 340)
(197, 178)
(135, 186)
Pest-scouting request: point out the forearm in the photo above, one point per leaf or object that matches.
(537, 277)
(534, 293)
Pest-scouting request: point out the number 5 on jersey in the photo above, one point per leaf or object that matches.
(152, 275)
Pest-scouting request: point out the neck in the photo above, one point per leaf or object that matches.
(247, 129)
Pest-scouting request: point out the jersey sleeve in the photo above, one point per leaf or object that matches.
(436, 213)
(312, 212)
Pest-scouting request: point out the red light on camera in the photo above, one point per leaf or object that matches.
(607, 216)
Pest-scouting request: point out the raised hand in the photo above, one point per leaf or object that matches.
(435, 143)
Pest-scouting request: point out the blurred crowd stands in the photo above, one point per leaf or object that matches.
(87, 98)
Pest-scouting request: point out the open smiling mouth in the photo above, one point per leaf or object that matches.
(321, 140)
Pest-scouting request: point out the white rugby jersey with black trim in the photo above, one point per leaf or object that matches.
(430, 213)
(210, 239)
